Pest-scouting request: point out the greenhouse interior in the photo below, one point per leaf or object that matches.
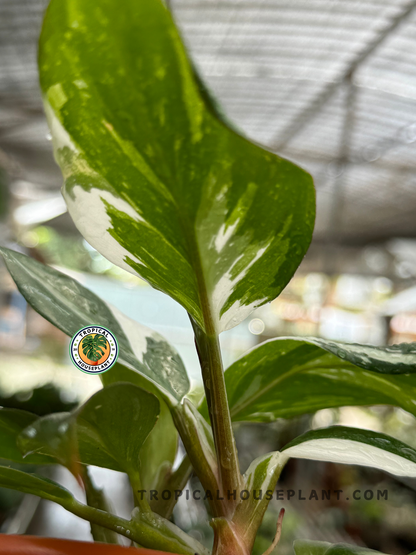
(329, 85)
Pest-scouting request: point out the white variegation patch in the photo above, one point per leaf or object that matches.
(352, 452)
(224, 234)
(135, 333)
(89, 213)
(87, 207)
(223, 290)
(137, 336)
(369, 356)
(237, 313)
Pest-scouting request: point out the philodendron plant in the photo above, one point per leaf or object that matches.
(159, 183)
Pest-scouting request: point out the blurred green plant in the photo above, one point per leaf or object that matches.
(4, 193)
(42, 400)
(161, 185)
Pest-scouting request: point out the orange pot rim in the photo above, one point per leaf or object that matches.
(11, 544)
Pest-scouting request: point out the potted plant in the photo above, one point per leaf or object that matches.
(160, 184)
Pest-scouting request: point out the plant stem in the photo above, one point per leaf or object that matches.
(213, 375)
(227, 540)
(141, 532)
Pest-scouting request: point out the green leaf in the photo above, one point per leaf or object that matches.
(36, 485)
(12, 423)
(54, 435)
(345, 549)
(117, 420)
(159, 450)
(156, 456)
(91, 448)
(344, 445)
(287, 377)
(154, 180)
(310, 547)
(123, 416)
(70, 306)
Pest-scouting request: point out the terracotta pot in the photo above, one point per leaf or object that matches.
(33, 545)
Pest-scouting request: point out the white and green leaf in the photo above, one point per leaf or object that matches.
(260, 481)
(340, 444)
(69, 306)
(287, 377)
(154, 179)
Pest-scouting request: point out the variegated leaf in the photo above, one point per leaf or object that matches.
(286, 377)
(340, 444)
(70, 306)
(154, 180)
(260, 482)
